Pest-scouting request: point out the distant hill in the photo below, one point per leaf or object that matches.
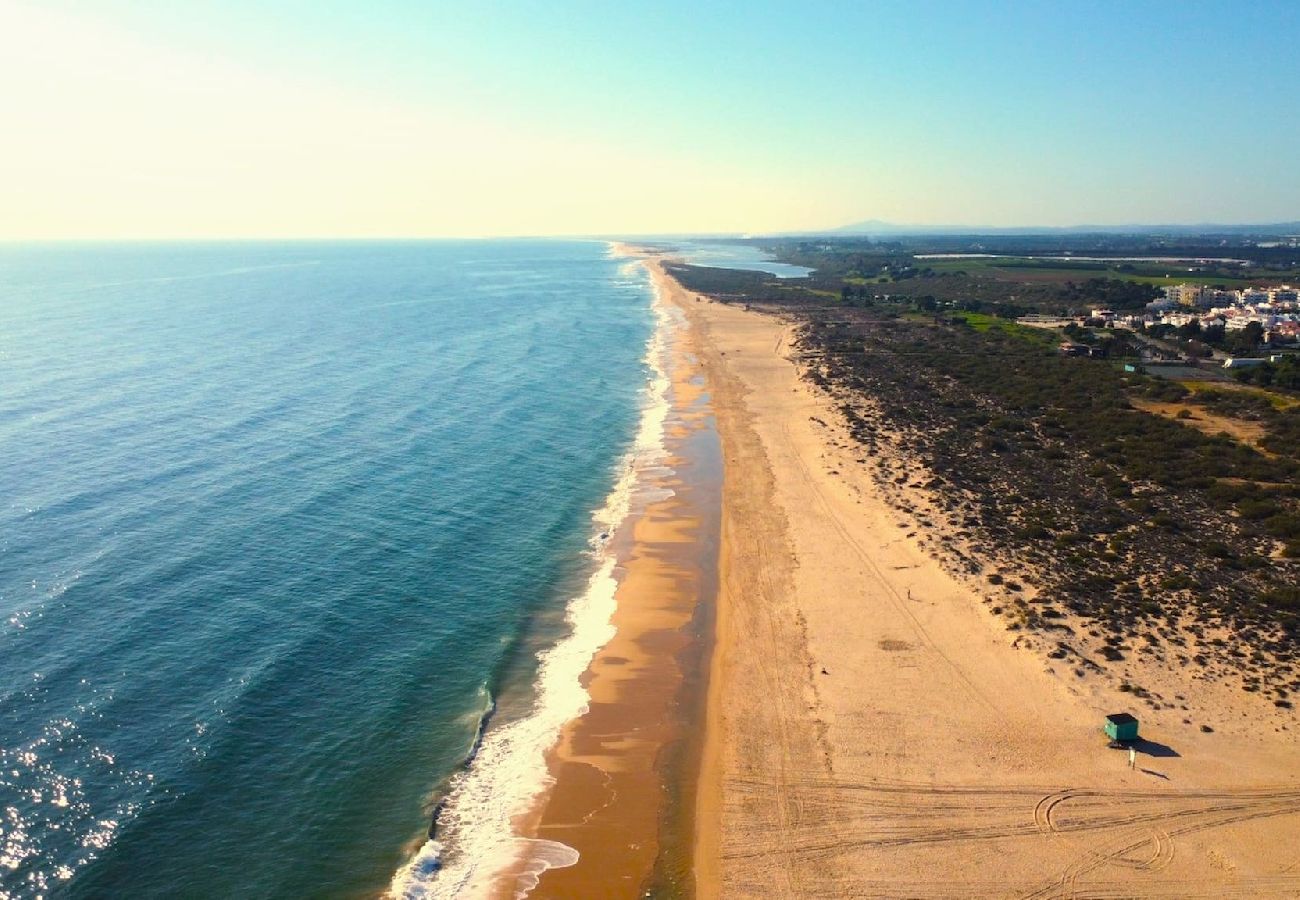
(873, 227)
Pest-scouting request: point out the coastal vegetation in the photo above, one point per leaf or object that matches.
(1285, 373)
(1117, 514)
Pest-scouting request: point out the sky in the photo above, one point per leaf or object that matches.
(280, 118)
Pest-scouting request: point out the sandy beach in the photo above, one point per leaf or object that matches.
(803, 698)
(624, 772)
(874, 731)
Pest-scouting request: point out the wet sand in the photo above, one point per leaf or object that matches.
(624, 772)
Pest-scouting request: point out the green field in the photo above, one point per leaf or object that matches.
(982, 322)
(1029, 269)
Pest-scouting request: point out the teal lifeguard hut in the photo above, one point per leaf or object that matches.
(1121, 727)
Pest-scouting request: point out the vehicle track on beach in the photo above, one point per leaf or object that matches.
(1094, 807)
(767, 618)
(1161, 818)
(865, 556)
(1252, 886)
(1130, 830)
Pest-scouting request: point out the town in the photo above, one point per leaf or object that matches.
(1270, 314)
(1194, 324)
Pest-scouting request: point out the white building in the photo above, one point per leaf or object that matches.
(1185, 294)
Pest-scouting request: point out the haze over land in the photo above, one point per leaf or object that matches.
(290, 120)
(875, 227)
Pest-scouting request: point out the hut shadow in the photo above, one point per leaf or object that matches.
(1151, 748)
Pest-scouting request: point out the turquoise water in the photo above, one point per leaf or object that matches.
(278, 522)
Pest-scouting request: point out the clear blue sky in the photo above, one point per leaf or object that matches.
(599, 117)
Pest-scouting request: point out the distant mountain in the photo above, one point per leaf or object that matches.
(872, 227)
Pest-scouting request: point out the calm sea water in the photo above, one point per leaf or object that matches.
(277, 523)
(735, 256)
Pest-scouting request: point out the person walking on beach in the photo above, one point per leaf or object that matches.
(1132, 757)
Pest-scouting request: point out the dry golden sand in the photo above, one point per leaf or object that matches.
(871, 731)
(610, 800)
(1207, 422)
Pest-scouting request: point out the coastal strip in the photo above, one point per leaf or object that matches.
(875, 730)
(869, 724)
(502, 822)
(622, 798)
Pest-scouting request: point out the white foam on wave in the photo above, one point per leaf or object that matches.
(476, 841)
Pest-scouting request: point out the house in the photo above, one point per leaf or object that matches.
(1242, 362)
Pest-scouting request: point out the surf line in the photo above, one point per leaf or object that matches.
(473, 838)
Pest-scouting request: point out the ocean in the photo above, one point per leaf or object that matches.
(283, 528)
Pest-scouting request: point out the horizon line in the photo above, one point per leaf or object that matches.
(898, 230)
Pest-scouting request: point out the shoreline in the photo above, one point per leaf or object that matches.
(623, 772)
(501, 826)
(872, 727)
(868, 722)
